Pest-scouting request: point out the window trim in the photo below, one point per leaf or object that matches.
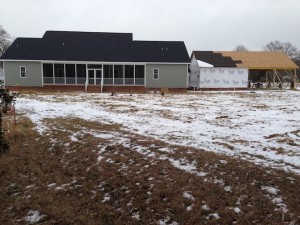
(21, 71)
(155, 73)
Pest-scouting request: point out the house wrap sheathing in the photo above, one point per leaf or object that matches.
(204, 75)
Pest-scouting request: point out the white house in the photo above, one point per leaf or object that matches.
(213, 71)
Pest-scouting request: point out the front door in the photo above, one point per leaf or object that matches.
(94, 76)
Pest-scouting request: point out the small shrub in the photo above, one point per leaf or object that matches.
(4, 147)
(8, 99)
(7, 102)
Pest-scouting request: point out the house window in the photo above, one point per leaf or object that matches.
(23, 71)
(155, 74)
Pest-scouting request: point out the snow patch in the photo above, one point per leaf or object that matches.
(227, 189)
(270, 190)
(188, 195)
(205, 207)
(74, 139)
(254, 130)
(213, 215)
(136, 216)
(237, 210)
(33, 216)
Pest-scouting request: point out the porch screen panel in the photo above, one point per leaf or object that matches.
(108, 74)
(139, 75)
(81, 73)
(59, 73)
(129, 74)
(48, 73)
(70, 74)
(118, 74)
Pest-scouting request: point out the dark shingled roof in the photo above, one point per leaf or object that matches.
(215, 59)
(95, 46)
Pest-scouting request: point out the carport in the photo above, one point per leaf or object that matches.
(272, 69)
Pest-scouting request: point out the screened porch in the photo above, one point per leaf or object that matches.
(92, 74)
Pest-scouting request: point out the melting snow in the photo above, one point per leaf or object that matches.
(190, 208)
(205, 207)
(51, 185)
(74, 139)
(213, 215)
(262, 127)
(277, 200)
(227, 189)
(188, 195)
(136, 216)
(166, 220)
(237, 210)
(33, 216)
(270, 190)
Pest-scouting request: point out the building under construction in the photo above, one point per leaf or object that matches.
(265, 69)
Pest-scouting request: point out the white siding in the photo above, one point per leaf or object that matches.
(217, 77)
(223, 78)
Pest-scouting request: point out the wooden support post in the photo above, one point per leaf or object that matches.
(274, 78)
(280, 80)
(296, 83)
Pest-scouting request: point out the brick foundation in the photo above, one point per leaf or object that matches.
(219, 89)
(94, 89)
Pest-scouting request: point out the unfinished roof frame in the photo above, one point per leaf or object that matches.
(276, 66)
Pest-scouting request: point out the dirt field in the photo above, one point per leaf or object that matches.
(207, 158)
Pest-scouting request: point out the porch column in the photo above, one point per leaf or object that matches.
(65, 74)
(102, 82)
(123, 75)
(86, 78)
(86, 74)
(134, 75)
(53, 74)
(113, 75)
(76, 74)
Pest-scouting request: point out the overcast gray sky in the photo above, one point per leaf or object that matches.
(201, 24)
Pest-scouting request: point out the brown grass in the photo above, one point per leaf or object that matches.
(126, 183)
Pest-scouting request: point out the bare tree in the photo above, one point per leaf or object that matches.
(240, 48)
(5, 40)
(288, 48)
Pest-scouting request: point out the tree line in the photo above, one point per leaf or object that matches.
(5, 40)
(273, 46)
(276, 46)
